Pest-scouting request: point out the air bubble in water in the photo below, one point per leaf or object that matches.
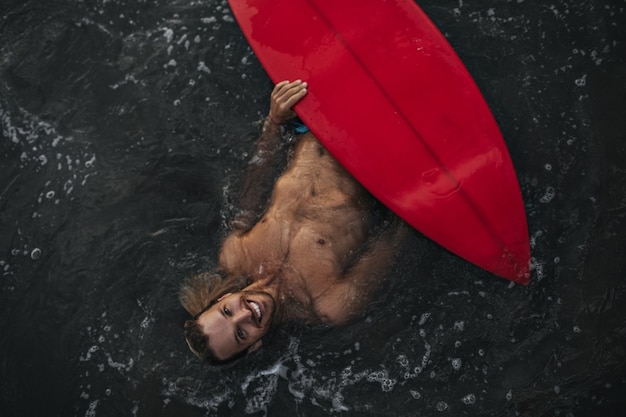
(415, 394)
(582, 81)
(35, 254)
(387, 384)
(403, 361)
(456, 363)
(442, 406)
(90, 163)
(469, 399)
(423, 318)
(548, 196)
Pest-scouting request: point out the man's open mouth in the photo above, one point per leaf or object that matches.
(256, 309)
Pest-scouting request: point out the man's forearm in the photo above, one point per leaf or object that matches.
(263, 165)
(258, 179)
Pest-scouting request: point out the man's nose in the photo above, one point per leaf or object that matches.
(243, 315)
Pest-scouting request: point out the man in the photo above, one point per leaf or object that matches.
(316, 254)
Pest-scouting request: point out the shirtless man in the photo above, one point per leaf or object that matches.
(312, 256)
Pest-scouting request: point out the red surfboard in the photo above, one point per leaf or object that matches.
(394, 104)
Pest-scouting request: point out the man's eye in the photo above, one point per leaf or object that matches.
(240, 333)
(226, 311)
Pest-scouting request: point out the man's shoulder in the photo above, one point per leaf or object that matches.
(231, 254)
(241, 251)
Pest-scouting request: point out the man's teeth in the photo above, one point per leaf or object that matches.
(257, 309)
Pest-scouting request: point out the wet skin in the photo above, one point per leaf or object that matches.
(306, 245)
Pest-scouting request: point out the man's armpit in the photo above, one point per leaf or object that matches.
(340, 305)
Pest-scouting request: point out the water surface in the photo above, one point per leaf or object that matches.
(125, 129)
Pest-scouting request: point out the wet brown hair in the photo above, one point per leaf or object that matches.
(199, 342)
(198, 294)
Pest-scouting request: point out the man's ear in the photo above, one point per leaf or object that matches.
(225, 295)
(255, 346)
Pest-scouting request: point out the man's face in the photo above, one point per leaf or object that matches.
(237, 322)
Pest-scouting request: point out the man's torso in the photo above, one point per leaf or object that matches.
(317, 220)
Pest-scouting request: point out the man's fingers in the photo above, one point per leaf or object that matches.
(285, 95)
(292, 92)
(286, 88)
(279, 88)
(295, 96)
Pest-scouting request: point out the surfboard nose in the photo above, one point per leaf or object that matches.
(516, 267)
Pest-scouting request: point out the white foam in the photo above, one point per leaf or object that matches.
(91, 411)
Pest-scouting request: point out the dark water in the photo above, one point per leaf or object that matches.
(124, 132)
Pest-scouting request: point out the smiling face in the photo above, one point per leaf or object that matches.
(237, 322)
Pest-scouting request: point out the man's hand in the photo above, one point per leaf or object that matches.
(285, 95)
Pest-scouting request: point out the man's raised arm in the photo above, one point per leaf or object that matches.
(258, 177)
